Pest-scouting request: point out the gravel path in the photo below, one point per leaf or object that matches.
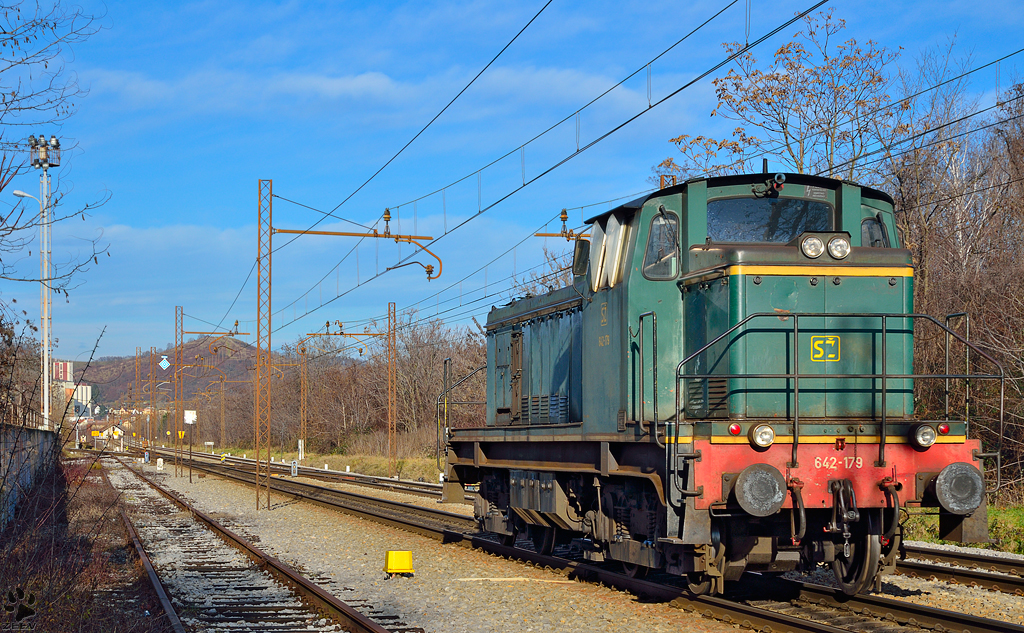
(454, 589)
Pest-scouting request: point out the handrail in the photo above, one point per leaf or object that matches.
(701, 273)
(446, 389)
(884, 375)
(654, 344)
(967, 365)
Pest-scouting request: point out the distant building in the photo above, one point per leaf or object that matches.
(78, 397)
(64, 370)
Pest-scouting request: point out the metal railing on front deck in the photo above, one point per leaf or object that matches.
(443, 403)
(796, 376)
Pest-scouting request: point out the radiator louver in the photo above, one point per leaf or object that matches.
(553, 409)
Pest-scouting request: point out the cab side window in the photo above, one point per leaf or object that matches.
(873, 234)
(661, 259)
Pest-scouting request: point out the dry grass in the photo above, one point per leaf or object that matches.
(367, 454)
(67, 551)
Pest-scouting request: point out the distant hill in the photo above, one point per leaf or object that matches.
(112, 377)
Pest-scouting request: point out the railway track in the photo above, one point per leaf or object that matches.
(771, 604)
(985, 571)
(997, 573)
(405, 486)
(215, 580)
(426, 521)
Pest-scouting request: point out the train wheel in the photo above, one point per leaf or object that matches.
(698, 583)
(635, 571)
(509, 540)
(856, 573)
(543, 539)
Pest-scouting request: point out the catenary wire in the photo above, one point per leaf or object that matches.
(575, 112)
(926, 132)
(424, 128)
(326, 213)
(513, 151)
(390, 160)
(455, 283)
(618, 127)
(369, 279)
(898, 100)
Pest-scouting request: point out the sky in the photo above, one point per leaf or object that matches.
(190, 104)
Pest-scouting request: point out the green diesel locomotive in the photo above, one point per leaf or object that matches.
(727, 386)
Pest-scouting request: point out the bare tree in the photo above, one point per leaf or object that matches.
(37, 88)
(821, 105)
(557, 273)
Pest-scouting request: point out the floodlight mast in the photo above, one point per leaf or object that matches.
(43, 155)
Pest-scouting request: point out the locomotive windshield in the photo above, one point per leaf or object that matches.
(766, 219)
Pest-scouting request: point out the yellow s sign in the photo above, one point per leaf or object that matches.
(824, 349)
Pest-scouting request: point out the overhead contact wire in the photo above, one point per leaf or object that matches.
(424, 128)
(600, 138)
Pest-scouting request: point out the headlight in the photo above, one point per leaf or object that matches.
(812, 246)
(839, 247)
(762, 436)
(924, 435)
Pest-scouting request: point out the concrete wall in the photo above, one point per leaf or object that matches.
(24, 454)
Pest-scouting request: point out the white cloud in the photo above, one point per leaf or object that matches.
(373, 86)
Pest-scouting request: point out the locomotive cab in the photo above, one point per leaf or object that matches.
(727, 386)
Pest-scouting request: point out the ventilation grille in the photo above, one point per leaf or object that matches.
(552, 409)
(707, 397)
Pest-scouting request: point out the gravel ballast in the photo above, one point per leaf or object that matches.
(456, 589)
(453, 589)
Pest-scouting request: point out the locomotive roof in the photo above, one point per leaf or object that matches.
(739, 179)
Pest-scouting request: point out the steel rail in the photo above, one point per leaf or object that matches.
(418, 488)
(975, 570)
(962, 576)
(338, 610)
(988, 562)
(900, 611)
(715, 607)
(719, 608)
(147, 564)
(724, 609)
(426, 521)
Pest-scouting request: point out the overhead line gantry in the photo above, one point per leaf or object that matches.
(264, 361)
(392, 382)
(179, 388)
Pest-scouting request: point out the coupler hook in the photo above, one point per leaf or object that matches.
(844, 510)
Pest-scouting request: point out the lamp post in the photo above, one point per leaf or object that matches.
(44, 154)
